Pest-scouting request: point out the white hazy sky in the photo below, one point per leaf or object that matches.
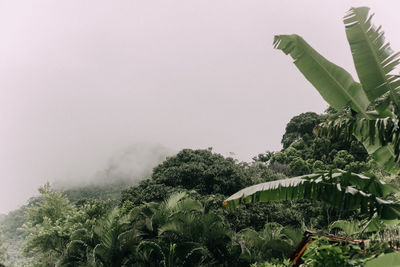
(81, 80)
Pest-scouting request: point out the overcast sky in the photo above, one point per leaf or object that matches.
(83, 80)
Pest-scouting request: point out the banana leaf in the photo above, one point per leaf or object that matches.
(334, 84)
(387, 260)
(374, 125)
(348, 227)
(380, 138)
(373, 58)
(326, 187)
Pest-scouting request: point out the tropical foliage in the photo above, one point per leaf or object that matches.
(370, 113)
(154, 224)
(322, 252)
(340, 189)
(374, 101)
(175, 216)
(157, 225)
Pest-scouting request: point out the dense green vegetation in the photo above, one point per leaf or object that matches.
(176, 216)
(369, 111)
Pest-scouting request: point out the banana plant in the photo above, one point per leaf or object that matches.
(374, 101)
(343, 190)
(374, 120)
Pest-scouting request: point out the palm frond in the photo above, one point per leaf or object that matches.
(172, 202)
(189, 205)
(348, 227)
(100, 253)
(174, 227)
(152, 252)
(129, 237)
(197, 255)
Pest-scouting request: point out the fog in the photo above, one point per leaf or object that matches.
(129, 165)
(85, 83)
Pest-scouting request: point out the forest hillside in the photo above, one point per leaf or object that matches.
(176, 217)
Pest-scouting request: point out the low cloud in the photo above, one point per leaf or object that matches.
(131, 165)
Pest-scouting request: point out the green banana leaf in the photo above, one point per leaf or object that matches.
(348, 227)
(380, 138)
(334, 84)
(377, 224)
(386, 260)
(356, 227)
(378, 130)
(373, 58)
(326, 187)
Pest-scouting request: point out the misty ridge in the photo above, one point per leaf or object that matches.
(127, 166)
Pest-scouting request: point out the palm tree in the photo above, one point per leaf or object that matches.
(180, 232)
(111, 242)
(274, 241)
(200, 238)
(118, 240)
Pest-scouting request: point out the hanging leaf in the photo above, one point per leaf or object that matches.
(334, 84)
(326, 187)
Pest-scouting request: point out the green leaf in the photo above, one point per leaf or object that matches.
(375, 61)
(373, 58)
(349, 227)
(379, 136)
(327, 187)
(334, 84)
(371, 134)
(387, 260)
